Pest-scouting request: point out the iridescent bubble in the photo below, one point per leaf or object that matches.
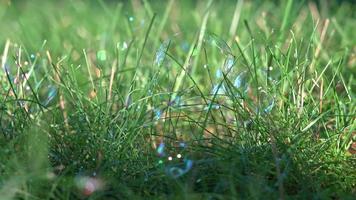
(128, 101)
(269, 108)
(179, 170)
(161, 53)
(160, 149)
(218, 42)
(157, 113)
(185, 46)
(238, 81)
(182, 144)
(229, 63)
(32, 57)
(52, 92)
(212, 105)
(218, 89)
(218, 73)
(7, 68)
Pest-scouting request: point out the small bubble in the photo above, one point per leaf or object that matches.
(182, 144)
(269, 108)
(52, 92)
(229, 63)
(218, 73)
(158, 114)
(170, 158)
(177, 171)
(213, 106)
(179, 156)
(161, 53)
(238, 81)
(185, 46)
(32, 57)
(131, 19)
(214, 40)
(160, 149)
(160, 162)
(205, 66)
(218, 89)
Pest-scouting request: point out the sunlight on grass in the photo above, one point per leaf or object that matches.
(177, 99)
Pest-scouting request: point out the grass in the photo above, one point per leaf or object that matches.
(177, 100)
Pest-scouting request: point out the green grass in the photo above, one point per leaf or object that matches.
(257, 98)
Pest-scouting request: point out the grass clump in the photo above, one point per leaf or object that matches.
(182, 100)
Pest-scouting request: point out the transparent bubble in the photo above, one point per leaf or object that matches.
(214, 40)
(177, 171)
(269, 108)
(161, 53)
(218, 73)
(229, 63)
(32, 57)
(241, 83)
(157, 114)
(160, 149)
(218, 89)
(174, 160)
(52, 93)
(212, 106)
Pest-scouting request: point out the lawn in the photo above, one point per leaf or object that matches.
(177, 99)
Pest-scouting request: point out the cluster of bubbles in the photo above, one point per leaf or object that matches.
(176, 163)
(222, 74)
